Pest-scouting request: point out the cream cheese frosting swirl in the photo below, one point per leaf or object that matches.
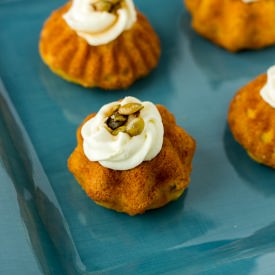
(100, 27)
(268, 91)
(249, 1)
(123, 152)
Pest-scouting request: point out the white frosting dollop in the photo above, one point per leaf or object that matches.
(123, 152)
(100, 27)
(249, 1)
(268, 91)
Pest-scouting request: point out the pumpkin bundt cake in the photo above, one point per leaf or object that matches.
(251, 118)
(234, 24)
(99, 43)
(131, 156)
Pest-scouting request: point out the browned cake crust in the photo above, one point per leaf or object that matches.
(233, 24)
(150, 185)
(112, 66)
(252, 122)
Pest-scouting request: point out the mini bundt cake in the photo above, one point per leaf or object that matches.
(251, 118)
(99, 43)
(131, 156)
(234, 24)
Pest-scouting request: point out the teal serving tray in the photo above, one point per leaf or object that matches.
(225, 222)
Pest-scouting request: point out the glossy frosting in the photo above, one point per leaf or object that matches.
(100, 27)
(249, 1)
(268, 91)
(123, 152)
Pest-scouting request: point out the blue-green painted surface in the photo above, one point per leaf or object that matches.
(224, 224)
